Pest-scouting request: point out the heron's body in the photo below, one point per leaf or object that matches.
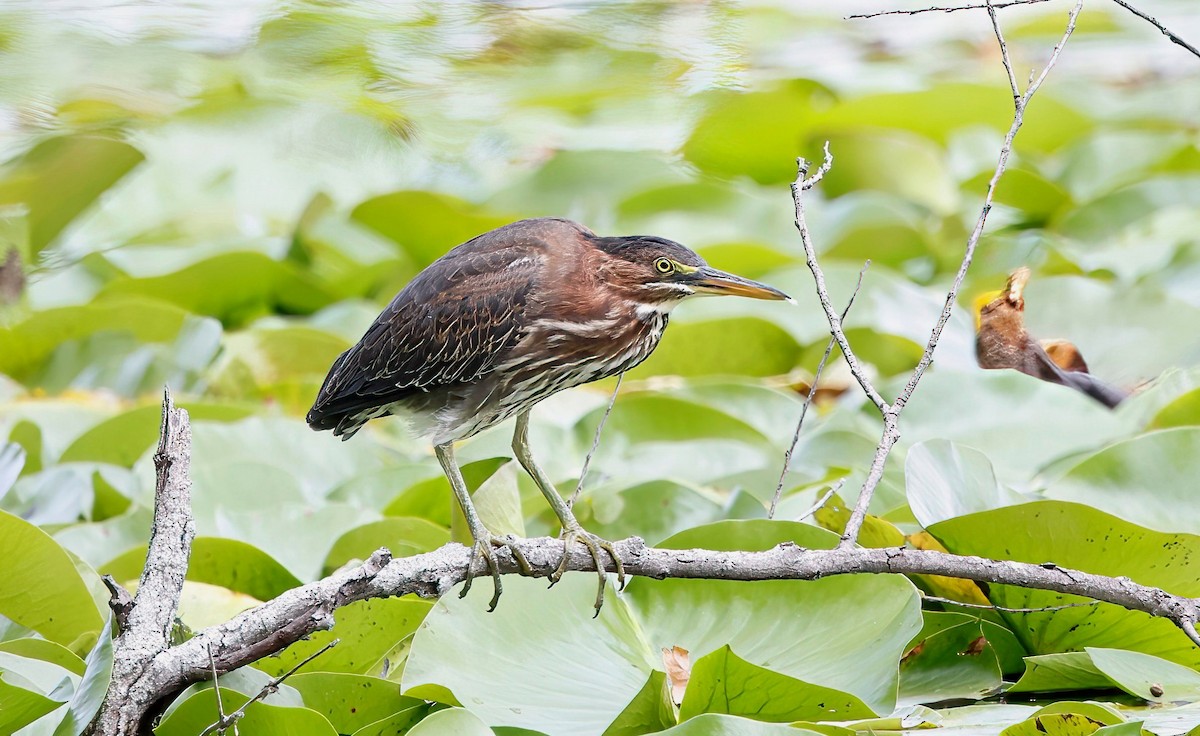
(505, 320)
(524, 292)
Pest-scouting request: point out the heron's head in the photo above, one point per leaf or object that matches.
(656, 270)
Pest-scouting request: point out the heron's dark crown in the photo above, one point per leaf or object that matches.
(645, 249)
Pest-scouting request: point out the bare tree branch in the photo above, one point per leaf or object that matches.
(808, 399)
(802, 184)
(300, 612)
(1163, 29)
(943, 9)
(148, 621)
(891, 413)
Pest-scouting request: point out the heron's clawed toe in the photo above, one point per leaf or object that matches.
(594, 545)
(485, 545)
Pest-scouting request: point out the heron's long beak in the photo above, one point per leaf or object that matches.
(709, 280)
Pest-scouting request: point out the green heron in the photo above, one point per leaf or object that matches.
(1001, 341)
(503, 321)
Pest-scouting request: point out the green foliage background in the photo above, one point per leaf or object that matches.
(221, 196)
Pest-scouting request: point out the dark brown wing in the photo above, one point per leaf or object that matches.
(451, 325)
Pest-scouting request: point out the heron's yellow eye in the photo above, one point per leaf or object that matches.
(664, 265)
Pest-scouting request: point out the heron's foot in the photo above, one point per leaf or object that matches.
(485, 544)
(594, 544)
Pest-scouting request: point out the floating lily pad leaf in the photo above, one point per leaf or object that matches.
(1108, 715)
(751, 535)
(1182, 412)
(304, 549)
(944, 479)
(875, 532)
(757, 134)
(199, 712)
(432, 498)
(722, 682)
(1083, 538)
(950, 658)
(546, 641)
(12, 460)
(402, 535)
(814, 617)
(425, 225)
(1142, 675)
(498, 501)
(351, 702)
(1107, 159)
(20, 706)
(1036, 198)
(586, 183)
(202, 605)
(101, 541)
(233, 287)
(983, 720)
(948, 108)
(1061, 672)
(1167, 461)
(713, 724)
(451, 722)
(373, 490)
(42, 589)
(881, 226)
(92, 688)
(1054, 724)
(650, 711)
(915, 170)
(122, 439)
(283, 363)
(232, 564)
(369, 630)
(1024, 423)
(397, 723)
(46, 651)
(25, 347)
(652, 511)
(724, 347)
(1109, 214)
(318, 462)
(61, 177)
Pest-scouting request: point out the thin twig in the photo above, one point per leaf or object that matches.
(270, 688)
(1163, 29)
(803, 183)
(587, 460)
(812, 391)
(217, 688)
(1008, 69)
(1006, 609)
(943, 9)
(822, 500)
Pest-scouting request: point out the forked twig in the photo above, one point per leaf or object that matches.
(812, 392)
(803, 183)
(225, 722)
(822, 500)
